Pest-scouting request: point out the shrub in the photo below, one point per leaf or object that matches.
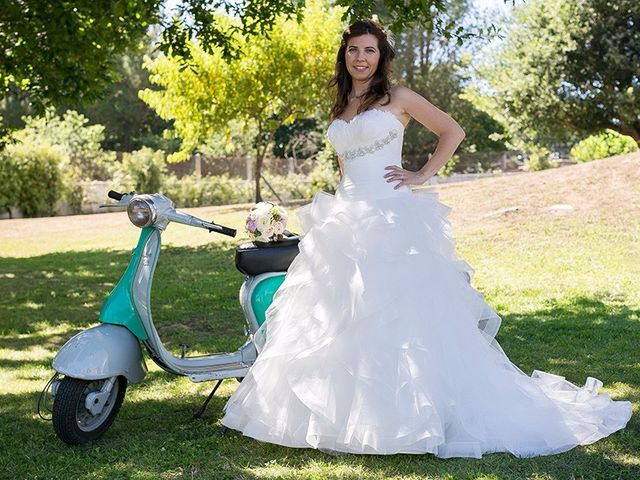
(288, 187)
(83, 158)
(539, 158)
(325, 174)
(33, 180)
(143, 171)
(9, 183)
(78, 145)
(604, 144)
(470, 162)
(188, 191)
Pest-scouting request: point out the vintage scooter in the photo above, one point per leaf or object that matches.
(94, 367)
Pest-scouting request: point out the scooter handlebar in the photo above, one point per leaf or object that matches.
(115, 195)
(187, 219)
(214, 227)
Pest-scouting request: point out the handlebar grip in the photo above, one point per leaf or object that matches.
(115, 195)
(221, 229)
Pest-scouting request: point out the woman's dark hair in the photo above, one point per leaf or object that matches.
(380, 83)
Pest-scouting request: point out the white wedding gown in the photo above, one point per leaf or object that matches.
(376, 343)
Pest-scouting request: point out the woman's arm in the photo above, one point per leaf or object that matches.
(450, 133)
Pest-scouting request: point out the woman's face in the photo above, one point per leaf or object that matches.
(362, 56)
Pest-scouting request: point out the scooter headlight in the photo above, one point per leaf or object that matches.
(142, 212)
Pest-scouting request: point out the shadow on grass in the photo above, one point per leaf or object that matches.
(44, 300)
(155, 434)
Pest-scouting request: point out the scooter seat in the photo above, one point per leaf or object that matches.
(254, 258)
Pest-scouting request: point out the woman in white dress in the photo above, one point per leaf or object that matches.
(376, 343)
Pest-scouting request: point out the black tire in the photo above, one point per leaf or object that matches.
(72, 422)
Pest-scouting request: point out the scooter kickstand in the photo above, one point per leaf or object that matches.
(199, 413)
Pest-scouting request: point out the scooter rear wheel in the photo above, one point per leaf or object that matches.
(72, 421)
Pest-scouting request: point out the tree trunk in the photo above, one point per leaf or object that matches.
(257, 174)
(261, 150)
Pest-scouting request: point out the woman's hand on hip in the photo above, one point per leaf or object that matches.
(405, 177)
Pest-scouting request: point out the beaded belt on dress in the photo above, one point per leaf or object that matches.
(375, 146)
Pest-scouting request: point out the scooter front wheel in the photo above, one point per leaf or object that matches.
(73, 420)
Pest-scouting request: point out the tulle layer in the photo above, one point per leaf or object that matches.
(376, 343)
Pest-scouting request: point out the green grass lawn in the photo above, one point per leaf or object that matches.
(565, 281)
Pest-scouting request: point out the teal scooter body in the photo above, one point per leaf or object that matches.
(118, 308)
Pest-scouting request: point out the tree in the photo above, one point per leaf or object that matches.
(602, 76)
(565, 69)
(277, 80)
(129, 122)
(434, 66)
(64, 51)
(198, 19)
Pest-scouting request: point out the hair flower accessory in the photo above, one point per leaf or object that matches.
(266, 222)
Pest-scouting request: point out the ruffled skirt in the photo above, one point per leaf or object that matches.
(376, 343)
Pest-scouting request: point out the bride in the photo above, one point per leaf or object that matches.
(376, 343)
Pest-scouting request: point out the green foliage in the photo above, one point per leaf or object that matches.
(288, 187)
(479, 162)
(83, 157)
(63, 51)
(326, 172)
(143, 171)
(539, 158)
(190, 191)
(258, 18)
(31, 179)
(603, 145)
(80, 154)
(9, 182)
(437, 68)
(563, 70)
(278, 80)
(602, 88)
(520, 79)
(129, 122)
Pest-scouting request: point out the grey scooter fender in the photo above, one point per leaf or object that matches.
(102, 351)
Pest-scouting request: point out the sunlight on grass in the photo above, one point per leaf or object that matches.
(34, 353)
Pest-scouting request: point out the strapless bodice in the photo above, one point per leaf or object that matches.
(368, 143)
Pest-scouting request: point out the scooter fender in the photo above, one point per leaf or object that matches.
(102, 351)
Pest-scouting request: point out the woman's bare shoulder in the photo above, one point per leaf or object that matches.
(400, 97)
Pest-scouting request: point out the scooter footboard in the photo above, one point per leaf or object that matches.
(102, 351)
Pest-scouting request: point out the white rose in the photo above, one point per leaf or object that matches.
(282, 212)
(268, 231)
(262, 222)
(278, 228)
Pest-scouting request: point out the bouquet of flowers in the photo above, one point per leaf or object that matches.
(266, 222)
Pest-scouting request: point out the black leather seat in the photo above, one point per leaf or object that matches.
(253, 259)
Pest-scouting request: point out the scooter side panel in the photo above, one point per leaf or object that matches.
(262, 295)
(100, 352)
(118, 308)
